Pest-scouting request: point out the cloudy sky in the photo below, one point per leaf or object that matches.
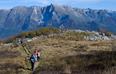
(94, 4)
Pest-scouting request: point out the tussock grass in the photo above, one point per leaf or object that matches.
(62, 54)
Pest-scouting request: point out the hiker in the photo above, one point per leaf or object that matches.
(34, 59)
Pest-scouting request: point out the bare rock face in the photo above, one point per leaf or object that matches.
(19, 19)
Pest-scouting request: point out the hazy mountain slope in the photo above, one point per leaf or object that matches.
(22, 18)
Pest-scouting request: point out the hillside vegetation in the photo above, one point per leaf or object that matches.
(62, 53)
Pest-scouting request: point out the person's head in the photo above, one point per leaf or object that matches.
(35, 52)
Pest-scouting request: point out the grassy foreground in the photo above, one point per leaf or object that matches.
(61, 55)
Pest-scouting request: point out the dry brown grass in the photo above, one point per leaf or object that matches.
(12, 60)
(61, 56)
(78, 55)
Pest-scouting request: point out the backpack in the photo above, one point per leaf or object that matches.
(33, 58)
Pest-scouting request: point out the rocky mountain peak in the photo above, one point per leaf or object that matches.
(21, 18)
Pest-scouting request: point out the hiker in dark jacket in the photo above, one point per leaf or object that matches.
(34, 59)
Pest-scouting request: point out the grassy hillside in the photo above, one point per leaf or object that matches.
(65, 53)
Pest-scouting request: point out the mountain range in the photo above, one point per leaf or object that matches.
(21, 18)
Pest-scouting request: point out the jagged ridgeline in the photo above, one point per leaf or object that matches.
(20, 19)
